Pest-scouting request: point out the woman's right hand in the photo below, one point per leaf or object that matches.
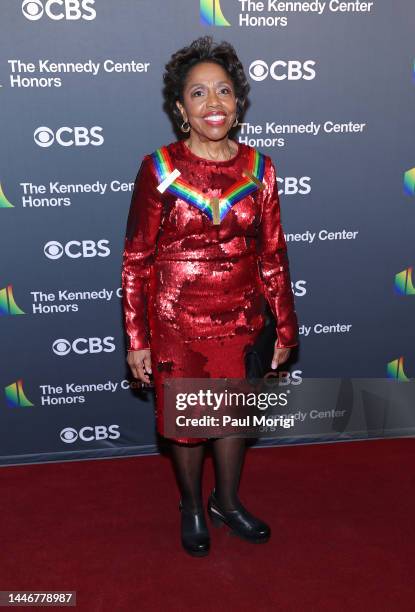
(140, 364)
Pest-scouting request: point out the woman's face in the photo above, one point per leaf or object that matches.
(209, 102)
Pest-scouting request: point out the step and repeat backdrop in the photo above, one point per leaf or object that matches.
(332, 102)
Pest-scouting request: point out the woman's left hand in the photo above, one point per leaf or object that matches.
(280, 356)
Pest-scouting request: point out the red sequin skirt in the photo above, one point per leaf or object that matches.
(203, 315)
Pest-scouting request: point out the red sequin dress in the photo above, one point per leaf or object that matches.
(193, 292)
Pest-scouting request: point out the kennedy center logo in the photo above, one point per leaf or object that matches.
(4, 202)
(211, 13)
(409, 182)
(395, 369)
(15, 396)
(8, 304)
(403, 282)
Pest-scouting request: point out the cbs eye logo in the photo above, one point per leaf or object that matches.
(83, 346)
(292, 70)
(77, 248)
(69, 136)
(71, 10)
(53, 249)
(90, 433)
(69, 435)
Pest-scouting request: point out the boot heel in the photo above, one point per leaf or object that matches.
(216, 520)
(240, 522)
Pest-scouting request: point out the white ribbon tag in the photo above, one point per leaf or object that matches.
(168, 180)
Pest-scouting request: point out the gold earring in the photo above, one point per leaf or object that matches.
(235, 123)
(185, 129)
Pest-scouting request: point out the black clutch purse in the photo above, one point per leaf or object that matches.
(258, 357)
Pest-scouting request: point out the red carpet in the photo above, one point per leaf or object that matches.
(342, 517)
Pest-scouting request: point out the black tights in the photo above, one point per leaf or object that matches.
(228, 456)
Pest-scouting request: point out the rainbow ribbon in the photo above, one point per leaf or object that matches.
(215, 208)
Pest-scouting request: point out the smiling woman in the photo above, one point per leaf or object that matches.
(208, 99)
(204, 246)
(207, 94)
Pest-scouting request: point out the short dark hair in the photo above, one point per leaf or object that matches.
(203, 49)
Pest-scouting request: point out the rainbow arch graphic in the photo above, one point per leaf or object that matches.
(8, 304)
(409, 182)
(15, 396)
(4, 202)
(395, 369)
(403, 282)
(211, 13)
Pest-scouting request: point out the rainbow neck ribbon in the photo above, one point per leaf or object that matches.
(215, 208)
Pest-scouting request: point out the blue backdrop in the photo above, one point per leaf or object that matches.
(332, 102)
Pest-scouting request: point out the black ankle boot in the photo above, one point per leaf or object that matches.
(194, 532)
(240, 521)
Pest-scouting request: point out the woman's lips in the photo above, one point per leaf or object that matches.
(215, 120)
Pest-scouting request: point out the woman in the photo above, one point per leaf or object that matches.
(199, 257)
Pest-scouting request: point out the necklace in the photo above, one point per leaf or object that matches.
(230, 155)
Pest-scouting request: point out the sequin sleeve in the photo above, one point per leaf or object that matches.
(143, 223)
(273, 261)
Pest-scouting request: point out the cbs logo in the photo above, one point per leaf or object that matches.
(71, 10)
(69, 136)
(283, 378)
(89, 434)
(293, 70)
(291, 185)
(76, 248)
(84, 346)
(299, 288)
